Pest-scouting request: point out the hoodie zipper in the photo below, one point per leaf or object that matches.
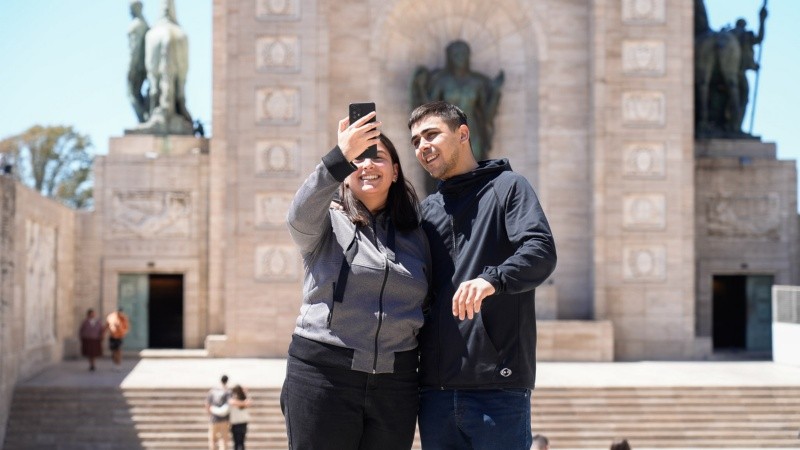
(439, 337)
(380, 313)
(380, 298)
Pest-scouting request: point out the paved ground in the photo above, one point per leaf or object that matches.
(263, 372)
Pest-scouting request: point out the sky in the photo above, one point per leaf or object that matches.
(64, 62)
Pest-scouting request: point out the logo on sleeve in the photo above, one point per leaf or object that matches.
(506, 372)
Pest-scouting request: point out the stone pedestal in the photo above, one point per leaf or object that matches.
(151, 217)
(746, 226)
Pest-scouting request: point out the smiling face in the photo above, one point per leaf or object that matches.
(439, 149)
(371, 181)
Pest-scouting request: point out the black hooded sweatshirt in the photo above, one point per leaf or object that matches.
(487, 223)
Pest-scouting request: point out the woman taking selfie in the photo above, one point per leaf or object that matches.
(351, 380)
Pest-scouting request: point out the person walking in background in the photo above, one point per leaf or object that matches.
(219, 424)
(620, 444)
(239, 415)
(491, 247)
(91, 334)
(351, 376)
(540, 442)
(118, 325)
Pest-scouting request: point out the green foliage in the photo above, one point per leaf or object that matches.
(55, 161)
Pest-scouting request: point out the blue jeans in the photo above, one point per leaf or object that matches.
(491, 419)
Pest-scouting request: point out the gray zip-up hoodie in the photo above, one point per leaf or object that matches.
(381, 310)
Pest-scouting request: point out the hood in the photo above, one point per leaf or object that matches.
(460, 183)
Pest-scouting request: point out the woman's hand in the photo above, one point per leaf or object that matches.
(354, 138)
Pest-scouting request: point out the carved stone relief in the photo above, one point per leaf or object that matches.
(745, 216)
(278, 54)
(643, 108)
(277, 157)
(643, 58)
(645, 211)
(643, 12)
(276, 263)
(271, 208)
(151, 214)
(278, 9)
(643, 160)
(644, 263)
(41, 246)
(278, 106)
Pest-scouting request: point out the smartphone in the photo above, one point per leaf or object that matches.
(357, 111)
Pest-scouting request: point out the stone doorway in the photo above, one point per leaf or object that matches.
(742, 313)
(154, 303)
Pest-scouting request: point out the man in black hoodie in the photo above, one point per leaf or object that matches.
(491, 247)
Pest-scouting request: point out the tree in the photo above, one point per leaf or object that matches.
(55, 161)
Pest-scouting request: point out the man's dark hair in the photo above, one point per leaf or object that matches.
(539, 441)
(450, 114)
(224, 379)
(401, 203)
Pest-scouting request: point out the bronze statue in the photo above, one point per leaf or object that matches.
(136, 69)
(722, 60)
(476, 95)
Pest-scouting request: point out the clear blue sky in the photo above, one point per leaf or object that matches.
(64, 62)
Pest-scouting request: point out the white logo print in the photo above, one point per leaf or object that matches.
(506, 372)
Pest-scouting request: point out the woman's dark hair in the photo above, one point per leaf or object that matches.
(401, 204)
(238, 392)
(620, 444)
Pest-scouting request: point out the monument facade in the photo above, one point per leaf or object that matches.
(597, 105)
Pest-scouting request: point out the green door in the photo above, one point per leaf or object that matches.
(133, 299)
(759, 313)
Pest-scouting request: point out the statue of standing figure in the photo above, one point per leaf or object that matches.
(137, 72)
(722, 60)
(476, 94)
(166, 61)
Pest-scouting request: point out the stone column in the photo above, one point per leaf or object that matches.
(644, 175)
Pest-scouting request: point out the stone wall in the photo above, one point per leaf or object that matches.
(746, 220)
(37, 273)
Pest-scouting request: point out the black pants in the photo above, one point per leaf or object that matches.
(329, 408)
(238, 430)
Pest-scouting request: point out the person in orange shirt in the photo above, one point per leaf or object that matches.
(118, 326)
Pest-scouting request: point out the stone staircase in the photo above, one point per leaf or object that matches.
(683, 417)
(103, 418)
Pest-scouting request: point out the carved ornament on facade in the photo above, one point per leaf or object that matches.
(276, 157)
(644, 160)
(278, 54)
(271, 208)
(643, 58)
(636, 12)
(645, 211)
(41, 283)
(151, 214)
(278, 9)
(278, 105)
(646, 263)
(644, 108)
(276, 263)
(745, 216)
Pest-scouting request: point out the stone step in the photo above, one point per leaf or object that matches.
(97, 419)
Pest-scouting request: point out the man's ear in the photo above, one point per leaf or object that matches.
(463, 131)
